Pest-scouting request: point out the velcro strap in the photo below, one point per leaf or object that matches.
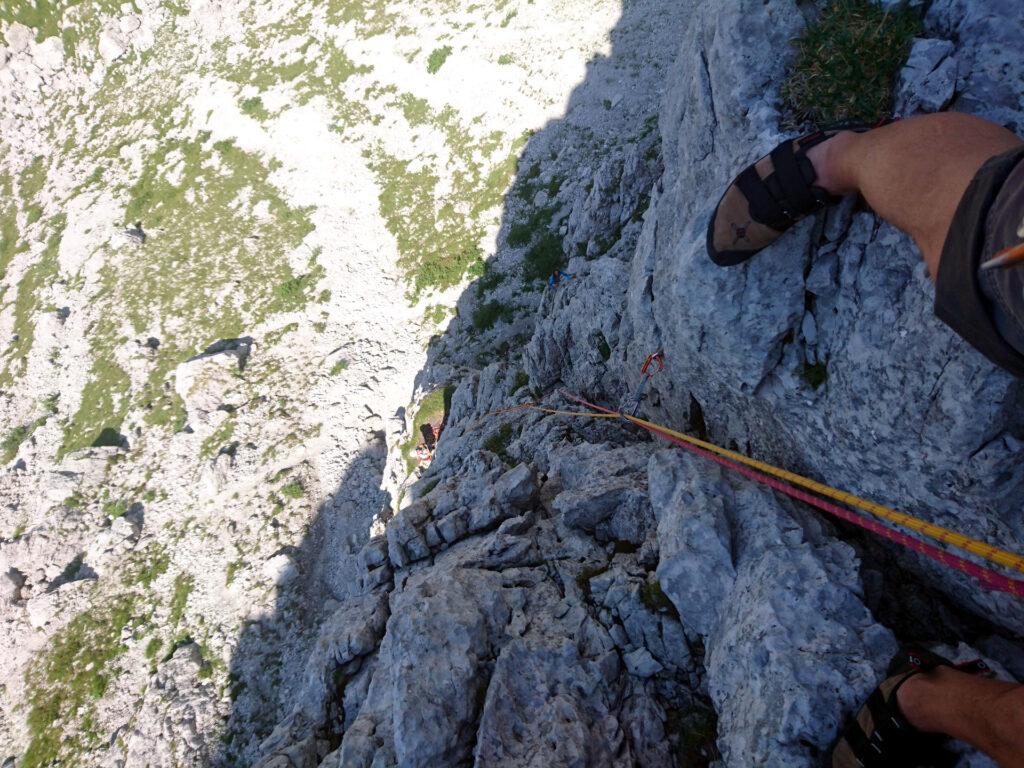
(795, 188)
(868, 754)
(763, 207)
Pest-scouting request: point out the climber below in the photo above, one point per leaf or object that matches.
(557, 277)
(953, 182)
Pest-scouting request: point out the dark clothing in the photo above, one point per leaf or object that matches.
(987, 307)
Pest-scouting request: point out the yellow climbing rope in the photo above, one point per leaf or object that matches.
(939, 533)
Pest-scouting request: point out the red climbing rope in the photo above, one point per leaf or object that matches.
(989, 578)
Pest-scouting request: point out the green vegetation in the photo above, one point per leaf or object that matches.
(67, 680)
(603, 348)
(254, 108)
(505, 58)
(545, 254)
(186, 275)
(435, 314)
(115, 508)
(338, 367)
(148, 571)
(179, 599)
(499, 441)
(655, 599)
(438, 235)
(293, 490)
(371, 17)
(846, 61)
(416, 111)
(508, 17)
(584, 576)
(433, 408)
(537, 223)
(543, 258)
(485, 315)
(437, 58)
(232, 570)
(430, 486)
(218, 439)
(815, 375)
(153, 648)
(521, 380)
(9, 239)
(27, 302)
(50, 17)
(12, 441)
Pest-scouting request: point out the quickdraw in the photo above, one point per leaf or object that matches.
(647, 373)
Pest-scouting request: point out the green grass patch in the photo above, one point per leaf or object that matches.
(253, 107)
(183, 584)
(846, 62)
(115, 508)
(293, 490)
(435, 314)
(536, 224)
(439, 235)
(10, 241)
(338, 367)
(654, 599)
(187, 275)
(499, 441)
(543, 258)
(67, 680)
(437, 58)
(505, 59)
(815, 375)
(153, 648)
(486, 314)
(218, 439)
(12, 442)
(232, 571)
(28, 301)
(522, 379)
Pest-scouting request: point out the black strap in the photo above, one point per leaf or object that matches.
(763, 207)
(869, 755)
(795, 187)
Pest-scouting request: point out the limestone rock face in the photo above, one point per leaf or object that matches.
(552, 589)
(822, 354)
(639, 581)
(175, 713)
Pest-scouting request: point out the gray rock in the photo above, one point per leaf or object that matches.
(11, 582)
(927, 82)
(177, 709)
(641, 663)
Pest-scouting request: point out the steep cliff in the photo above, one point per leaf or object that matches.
(566, 591)
(219, 548)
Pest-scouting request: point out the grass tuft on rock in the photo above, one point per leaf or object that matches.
(846, 62)
(487, 314)
(437, 59)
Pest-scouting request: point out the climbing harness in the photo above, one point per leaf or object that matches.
(647, 373)
(784, 481)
